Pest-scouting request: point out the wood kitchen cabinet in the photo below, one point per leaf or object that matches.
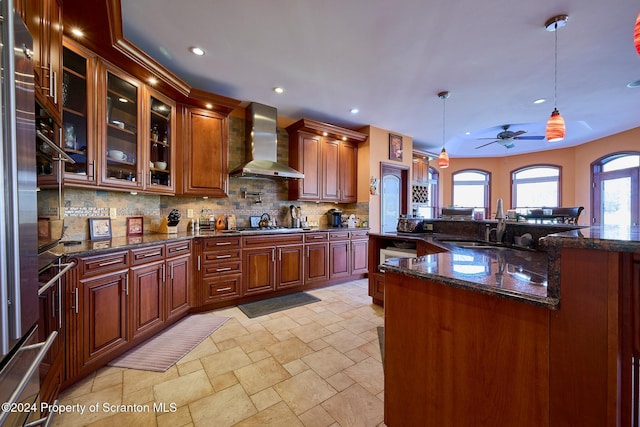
(160, 143)
(218, 269)
(202, 161)
(328, 156)
(420, 170)
(79, 138)
(339, 260)
(146, 296)
(178, 279)
(316, 263)
(271, 262)
(359, 252)
(43, 18)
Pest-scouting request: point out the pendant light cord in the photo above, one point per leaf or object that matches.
(555, 75)
(443, 119)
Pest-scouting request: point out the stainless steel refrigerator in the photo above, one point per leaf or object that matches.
(19, 351)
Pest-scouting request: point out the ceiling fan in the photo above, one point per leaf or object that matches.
(506, 137)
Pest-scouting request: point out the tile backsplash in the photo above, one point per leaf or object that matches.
(81, 204)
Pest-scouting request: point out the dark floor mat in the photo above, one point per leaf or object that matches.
(272, 305)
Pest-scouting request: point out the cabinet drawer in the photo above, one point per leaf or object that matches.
(338, 235)
(316, 237)
(90, 266)
(212, 269)
(223, 287)
(178, 248)
(218, 243)
(269, 240)
(359, 234)
(222, 256)
(148, 254)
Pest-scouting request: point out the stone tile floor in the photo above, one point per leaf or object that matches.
(315, 365)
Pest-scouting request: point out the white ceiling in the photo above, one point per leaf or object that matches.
(391, 58)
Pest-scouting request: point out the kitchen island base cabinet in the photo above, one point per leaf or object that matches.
(147, 298)
(460, 358)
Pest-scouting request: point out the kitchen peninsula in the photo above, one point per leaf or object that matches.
(493, 349)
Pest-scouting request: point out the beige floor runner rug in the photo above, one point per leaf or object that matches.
(161, 352)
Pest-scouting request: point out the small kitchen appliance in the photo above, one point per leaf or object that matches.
(334, 217)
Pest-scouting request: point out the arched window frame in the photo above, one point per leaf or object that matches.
(596, 175)
(486, 184)
(514, 183)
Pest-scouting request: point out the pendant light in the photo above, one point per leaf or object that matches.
(443, 159)
(555, 125)
(636, 34)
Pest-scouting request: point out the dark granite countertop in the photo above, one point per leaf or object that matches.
(93, 247)
(496, 270)
(608, 238)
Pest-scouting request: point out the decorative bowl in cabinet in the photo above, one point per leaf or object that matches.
(161, 165)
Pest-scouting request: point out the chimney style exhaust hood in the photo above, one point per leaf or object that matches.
(262, 146)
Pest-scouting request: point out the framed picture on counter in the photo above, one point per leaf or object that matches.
(135, 225)
(395, 147)
(99, 228)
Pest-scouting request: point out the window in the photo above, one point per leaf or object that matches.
(471, 190)
(430, 209)
(615, 198)
(535, 187)
(394, 191)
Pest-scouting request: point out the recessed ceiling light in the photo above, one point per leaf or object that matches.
(354, 111)
(325, 133)
(153, 80)
(209, 106)
(634, 84)
(540, 101)
(77, 32)
(278, 89)
(344, 138)
(196, 51)
(467, 133)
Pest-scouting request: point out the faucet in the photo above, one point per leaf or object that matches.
(500, 229)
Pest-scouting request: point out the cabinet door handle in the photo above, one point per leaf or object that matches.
(223, 256)
(163, 274)
(198, 262)
(223, 289)
(93, 171)
(151, 254)
(279, 254)
(318, 237)
(104, 264)
(222, 243)
(54, 84)
(172, 271)
(126, 284)
(75, 298)
(181, 248)
(273, 255)
(307, 251)
(223, 269)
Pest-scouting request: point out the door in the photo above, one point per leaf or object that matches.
(394, 192)
(289, 266)
(258, 270)
(615, 197)
(147, 298)
(330, 170)
(178, 282)
(104, 315)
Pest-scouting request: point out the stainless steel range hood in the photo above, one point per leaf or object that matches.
(262, 146)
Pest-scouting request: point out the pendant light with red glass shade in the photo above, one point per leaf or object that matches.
(636, 34)
(443, 159)
(555, 125)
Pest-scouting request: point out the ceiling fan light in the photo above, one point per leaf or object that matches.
(556, 128)
(636, 34)
(443, 159)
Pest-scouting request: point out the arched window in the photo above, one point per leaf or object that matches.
(471, 190)
(615, 179)
(535, 187)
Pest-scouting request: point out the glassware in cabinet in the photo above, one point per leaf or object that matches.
(121, 133)
(161, 143)
(76, 122)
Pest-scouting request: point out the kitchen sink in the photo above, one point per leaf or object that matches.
(474, 244)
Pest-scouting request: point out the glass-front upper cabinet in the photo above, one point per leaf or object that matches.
(161, 143)
(77, 140)
(46, 163)
(121, 162)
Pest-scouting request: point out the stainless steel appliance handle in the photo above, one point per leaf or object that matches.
(44, 347)
(63, 156)
(44, 422)
(54, 279)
